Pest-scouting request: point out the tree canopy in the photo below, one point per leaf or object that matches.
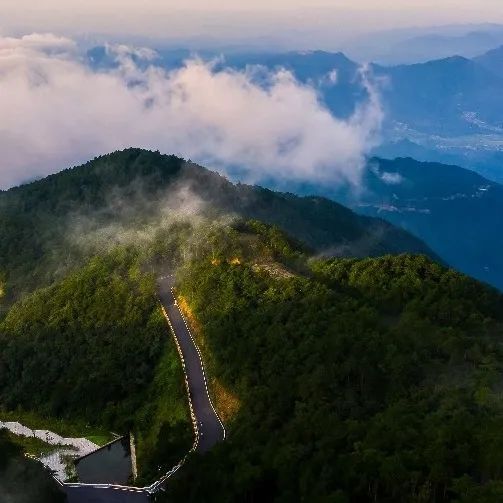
(362, 380)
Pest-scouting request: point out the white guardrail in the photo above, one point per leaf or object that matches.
(154, 487)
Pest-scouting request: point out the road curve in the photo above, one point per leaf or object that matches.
(210, 429)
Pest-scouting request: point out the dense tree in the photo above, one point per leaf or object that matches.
(373, 379)
(96, 348)
(365, 380)
(51, 226)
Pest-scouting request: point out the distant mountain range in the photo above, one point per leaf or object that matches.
(446, 110)
(450, 97)
(418, 45)
(492, 60)
(457, 212)
(449, 110)
(403, 47)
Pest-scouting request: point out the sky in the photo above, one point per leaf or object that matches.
(55, 111)
(164, 5)
(230, 18)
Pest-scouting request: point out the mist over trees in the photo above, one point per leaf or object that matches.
(353, 379)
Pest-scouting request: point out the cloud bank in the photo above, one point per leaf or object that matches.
(55, 111)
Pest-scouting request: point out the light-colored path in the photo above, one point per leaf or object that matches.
(74, 447)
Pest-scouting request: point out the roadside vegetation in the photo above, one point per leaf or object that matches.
(358, 380)
(94, 351)
(345, 379)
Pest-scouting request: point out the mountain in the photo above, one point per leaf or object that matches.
(429, 102)
(438, 45)
(485, 160)
(420, 44)
(43, 223)
(333, 74)
(448, 110)
(455, 211)
(338, 379)
(358, 380)
(492, 61)
(449, 97)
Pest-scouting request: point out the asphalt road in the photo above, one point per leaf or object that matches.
(211, 430)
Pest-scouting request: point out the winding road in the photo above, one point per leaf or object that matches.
(210, 429)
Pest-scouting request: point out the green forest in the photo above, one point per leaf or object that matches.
(96, 349)
(373, 376)
(50, 227)
(360, 380)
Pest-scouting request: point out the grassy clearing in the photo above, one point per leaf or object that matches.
(100, 439)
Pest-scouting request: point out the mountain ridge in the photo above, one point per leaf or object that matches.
(130, 186)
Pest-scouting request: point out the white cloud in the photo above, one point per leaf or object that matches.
(388, 177)
(330, 79)
(55, 111)
(391, 178)
(36, 42)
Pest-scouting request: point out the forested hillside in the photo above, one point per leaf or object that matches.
(50, 226)
(345, 379)
(357, 380)
(95, 349)
(339, 379)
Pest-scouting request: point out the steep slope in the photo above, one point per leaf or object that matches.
(43, 224)
(95, 349)
(456, 211)
(361, 380)
(492, 61)
(437, 97)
